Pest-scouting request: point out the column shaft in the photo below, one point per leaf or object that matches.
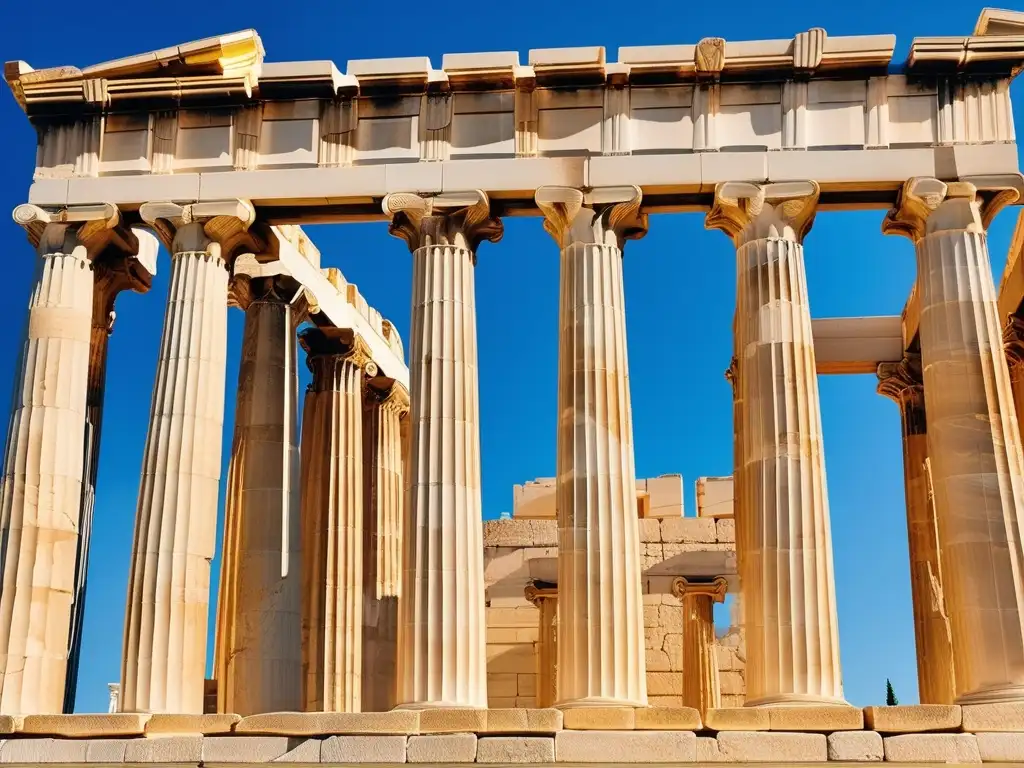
(169, 581)
(546, 601)
(700, 663)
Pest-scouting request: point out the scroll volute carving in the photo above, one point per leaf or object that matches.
(926, 205)
(747, 212)
(608, 215)
(458, 219)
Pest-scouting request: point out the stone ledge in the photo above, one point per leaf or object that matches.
(1001, 747)
(599, 718)
(452, 720)
(262, 749)
(626, 747)
(913, 718)
(515, 749)
(396, 722)
(737, 719)
(981, 718)
(815, 719)
(85, 726)
(445, 748)
(666, 719)
(206, 725)
(855, 746)
(512, 721)
(932, 748)
(772, 747)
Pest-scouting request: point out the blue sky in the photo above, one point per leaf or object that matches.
(680, 289)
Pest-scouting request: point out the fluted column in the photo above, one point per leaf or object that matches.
(784, 546)
(600, 610)
(974, 446)
(386, 410)
(164, 663)
(332, 520)
(441, 633)
(1013, 342)
(901, 382)
(545, 598)
(44, 464)
(700, 661)
(258, 663)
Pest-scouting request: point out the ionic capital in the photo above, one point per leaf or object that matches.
(1013, 340)
(605, 215)
(537, 592)
(116, 270)
(253, 282)
(903, 384)
(715, 589)
(326, 346)
(96, 227)
(747, 212)
(387, 394)
(460, 219)
(927, 205)
(198, 226)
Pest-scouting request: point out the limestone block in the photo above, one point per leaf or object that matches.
(502, 684)
(737, 719)
(106, 750)
(731, 682)
(824, 719)
(363, 749)
(526, 702)
(673, 647)
(707, 750)
(501, 563)
(513, 720)
(450, 748)
(10, 723)
(501, 702)
(726, 529)
(657, 661)
(525, 616)
(599, 718)
(654, 637)
(688, 530)
(320, 723)
(932, 748)
(520, 657)
(502, 635)
(665, 701)
(453, 720)
(666, 494)
(855, 746)
(190, 724)
(650, 530)
(84, 726)
(45, 750)
(665, 683)
(515, 749)
(760, 747)
(729, 659)
(527, 685)
(665, 719)
(992, 717)
(265, 749)
(714, 497)
(913, 718)
(166, 749)
(626, 747)
(1001, 747)
(673, 549)
(671, 618)
(521, 533)
(651, 618)
(730, 700)
(651, 555)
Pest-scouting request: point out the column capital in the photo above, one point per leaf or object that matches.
(385, 392)
(897, 380)
(461, 219)
(747, 211)
(96, 226)
(1013, 340)
(732, 373)
(116, 270)
(926, 205)
(604, 215)
(330, 343)
(253, 282)
(538, 591)
(195, 226)
(715, 589)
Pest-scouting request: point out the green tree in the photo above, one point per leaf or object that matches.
(890, 695)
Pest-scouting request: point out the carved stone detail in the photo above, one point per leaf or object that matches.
(927, 205)
(606, 215)
(709, 56)
(747, 212)
(459, 219)
(902, 383)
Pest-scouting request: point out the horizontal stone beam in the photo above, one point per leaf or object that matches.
(856, 344)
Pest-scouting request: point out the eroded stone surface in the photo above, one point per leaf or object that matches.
(515, 749)
(188, 724)
(666, 719)
(738, 719)
(855, 746)
(363, 749)
(599, 718)
(772, 747)
(447, 748)
(322, 723)
(165, 749)
(824, 719)
(625, 747)
(915, 718)
(932, 748)
(446, 720)
(262, 749)
(1001, 747)
(992, 717)
(44, 751)
(83, 726)
(524, 720)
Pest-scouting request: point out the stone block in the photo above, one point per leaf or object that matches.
(453, 720)
(737, 719)
(773, 747)
(654, 638)
(84, 726)
(650, 530)
(626, 747)
(524, 720)
(450, 748)
(666, 719)
(673, 646)
(670, 618)
(665, 701)
(729, 659)
(651, 555)
(399, 721)
(363, 749)
(501, 684)
(651, 618)
(726, 528)
(191, 724)
(10, 723)
(978, 718)
(731, 682)
(44, 750)
(820, 719)
(515, 749)
(522, 532)
(688, 530)
(932, 748)
(514, 659)
(502, 635)
(666, 494)
(527, 635)
(598, 718)
(732, 701)
(657, 660)
(855, 746)
(526, 702)
(165, 749)
(262, 749)
(106, 750)
(913, 718)
(501, 702)
(665, 683)
(1001, 747)
(527, 685)
(707, 750)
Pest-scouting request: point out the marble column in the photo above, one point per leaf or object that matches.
(164, 664)
(701, 689)
(385, 419)
(45, 461)
(901, 382)
(784, 547)
(258, 660)
(545, 598)
(332, 520)
(442, 659)
(1013, 342)
(973, 439)
(600, 610)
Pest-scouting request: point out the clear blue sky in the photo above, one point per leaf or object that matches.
(679, 289)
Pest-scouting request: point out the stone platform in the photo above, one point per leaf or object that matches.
(990, 733)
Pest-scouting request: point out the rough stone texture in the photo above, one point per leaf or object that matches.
(824, 719)
(707, 750)
(626, 747)
(737, 719)
(599, 718)
(726, 530)
(165, 749)
(520, 533)
(10, 723)
(44, 751)
(650, 530)
(688, 530)
(189, 724)
(1001, 747)
(321, 723)
(932, 748)
(84, 726)
(456, 720)
(449, 748)
(760, 747)
(666, 719)
(363, 749)
(263, 749)
(993, 717)
(524, 720)
(106, 750)
(515, 749)
(855, 746)
(913, 718)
